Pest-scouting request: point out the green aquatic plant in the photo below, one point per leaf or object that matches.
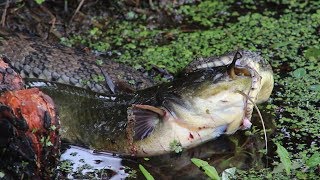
(39, 1)
(206, 168)
(284, 158)
(45, 141)
(65, 166)
(176, 146)
(314, 160)
(207, 13)
(146, 174)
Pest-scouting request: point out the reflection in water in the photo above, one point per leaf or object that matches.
(85, 161)
(239, 150)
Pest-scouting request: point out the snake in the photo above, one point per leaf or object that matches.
(34, 58)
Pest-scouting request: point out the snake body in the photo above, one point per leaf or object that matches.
(32, 57)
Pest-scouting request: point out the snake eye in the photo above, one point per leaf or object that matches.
(242, 71)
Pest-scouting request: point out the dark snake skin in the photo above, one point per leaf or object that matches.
(36, 58)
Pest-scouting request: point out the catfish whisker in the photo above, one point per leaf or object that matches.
(260, 116)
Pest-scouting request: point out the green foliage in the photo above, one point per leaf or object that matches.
(39, 1)
(65, 166)
(206, 13)
(284, 158)
(314, 160)
(53, 127)
(176, 146)
(312, 53)
(299, 73)
(204, 166)
(132, 172)
(315, 87)
(146, 174)
(45, 141)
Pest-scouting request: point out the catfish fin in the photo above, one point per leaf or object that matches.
(145, 118)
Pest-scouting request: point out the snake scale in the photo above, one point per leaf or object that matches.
(33, 57)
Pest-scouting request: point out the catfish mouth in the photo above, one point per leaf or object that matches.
(207, 105)
(261, 82)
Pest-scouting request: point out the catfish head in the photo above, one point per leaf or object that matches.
(199, 107)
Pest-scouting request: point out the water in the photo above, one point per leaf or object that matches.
(85, 161)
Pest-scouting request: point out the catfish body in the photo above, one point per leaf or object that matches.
(184, 113)
(122, 124)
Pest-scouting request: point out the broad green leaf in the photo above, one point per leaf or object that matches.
(39, 1)
(312, 52)
(146, 174)
(229, 173)
(314, 160)
(299, 73)
(281, 44)
(209, 170)
(284, 158)
(315, 87)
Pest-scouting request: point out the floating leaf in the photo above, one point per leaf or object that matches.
(209, 170)
(175, 146)
(315, 87)
(146, 174)
(314, 160)
(229, 173)
(284, 158)
(312, 52)
(281, 44)
(299, 73)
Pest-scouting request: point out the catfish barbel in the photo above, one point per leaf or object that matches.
(189, 111)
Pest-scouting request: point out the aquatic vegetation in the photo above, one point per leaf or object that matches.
(176, 146)
(284, 158)
(208, 170)
(65, 166)
(146, 174)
